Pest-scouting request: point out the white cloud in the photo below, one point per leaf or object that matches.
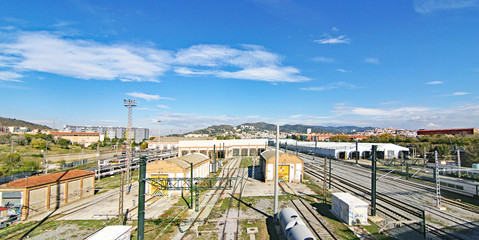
(45, 52)
(147, 97)
(162, 106)
(342, 70)
(372, 60)
(460, 93)
(333, 40)
(296, 116)
(428, 6)
(87, 59)
(251, 63)
(434, 83)
(330, 86)
(323, 59)
(10, 76)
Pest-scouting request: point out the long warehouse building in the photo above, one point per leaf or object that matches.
(346, 150)
(224, 148)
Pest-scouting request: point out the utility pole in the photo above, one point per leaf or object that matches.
(276, 161)
(191, 185)
(214, 158)
(129, 104)
(45, 155)
(141, 199)
(458, 162)
(437, 179)
(98, 152)
(357, 152)
(329, 173)
(315, 146)
(373, 182)
(325, 170)
(120, 199)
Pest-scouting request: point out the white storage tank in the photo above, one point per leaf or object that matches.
(349, 209)
(117, 232)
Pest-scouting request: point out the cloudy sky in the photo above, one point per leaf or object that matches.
(404, 64)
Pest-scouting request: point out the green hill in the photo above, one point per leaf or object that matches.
(12, 122)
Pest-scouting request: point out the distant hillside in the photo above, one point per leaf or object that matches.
(262, 126)
(214, 130)
(9, 122)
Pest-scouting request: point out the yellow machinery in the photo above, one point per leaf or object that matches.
(283, 173)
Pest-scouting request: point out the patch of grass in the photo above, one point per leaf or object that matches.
(374, 230)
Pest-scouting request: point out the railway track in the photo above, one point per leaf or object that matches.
(232, 222)
(227, 172)
(317, 225)
(393, 208)
(428, 189)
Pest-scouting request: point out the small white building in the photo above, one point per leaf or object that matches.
(349, 208)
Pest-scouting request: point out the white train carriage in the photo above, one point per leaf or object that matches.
(460, 186)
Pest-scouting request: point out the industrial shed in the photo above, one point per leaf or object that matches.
(178, 167)
(290, 166)
(40, 193)
(223, 148)
(347, 150)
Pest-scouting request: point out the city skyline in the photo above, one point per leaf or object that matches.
(407, 65)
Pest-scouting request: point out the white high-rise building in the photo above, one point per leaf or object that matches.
(139, 134)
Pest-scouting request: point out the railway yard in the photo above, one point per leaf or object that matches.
(244, 210)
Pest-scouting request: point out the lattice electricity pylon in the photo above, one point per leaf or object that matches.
(129, 104)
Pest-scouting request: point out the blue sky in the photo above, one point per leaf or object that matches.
(191, 64)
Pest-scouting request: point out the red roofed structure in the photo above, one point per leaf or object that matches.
(51, 191)
(453, 131)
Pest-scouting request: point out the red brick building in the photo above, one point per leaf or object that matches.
(453, 131)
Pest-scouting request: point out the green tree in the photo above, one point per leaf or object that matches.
(144, 145)
(442, 150)
(39, 143)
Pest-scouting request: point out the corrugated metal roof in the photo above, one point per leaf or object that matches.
(46, 179)
(185, 161)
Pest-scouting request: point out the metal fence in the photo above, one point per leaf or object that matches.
(72, 164)
(9, 178)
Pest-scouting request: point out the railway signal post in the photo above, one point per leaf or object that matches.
(373, 181)
(141, 199)
(276, 162)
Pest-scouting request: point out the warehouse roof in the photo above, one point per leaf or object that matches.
(46, 179)
(283, 157)
(185, 161)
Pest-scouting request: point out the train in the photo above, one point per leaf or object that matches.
(293, 226)
(460, 186)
